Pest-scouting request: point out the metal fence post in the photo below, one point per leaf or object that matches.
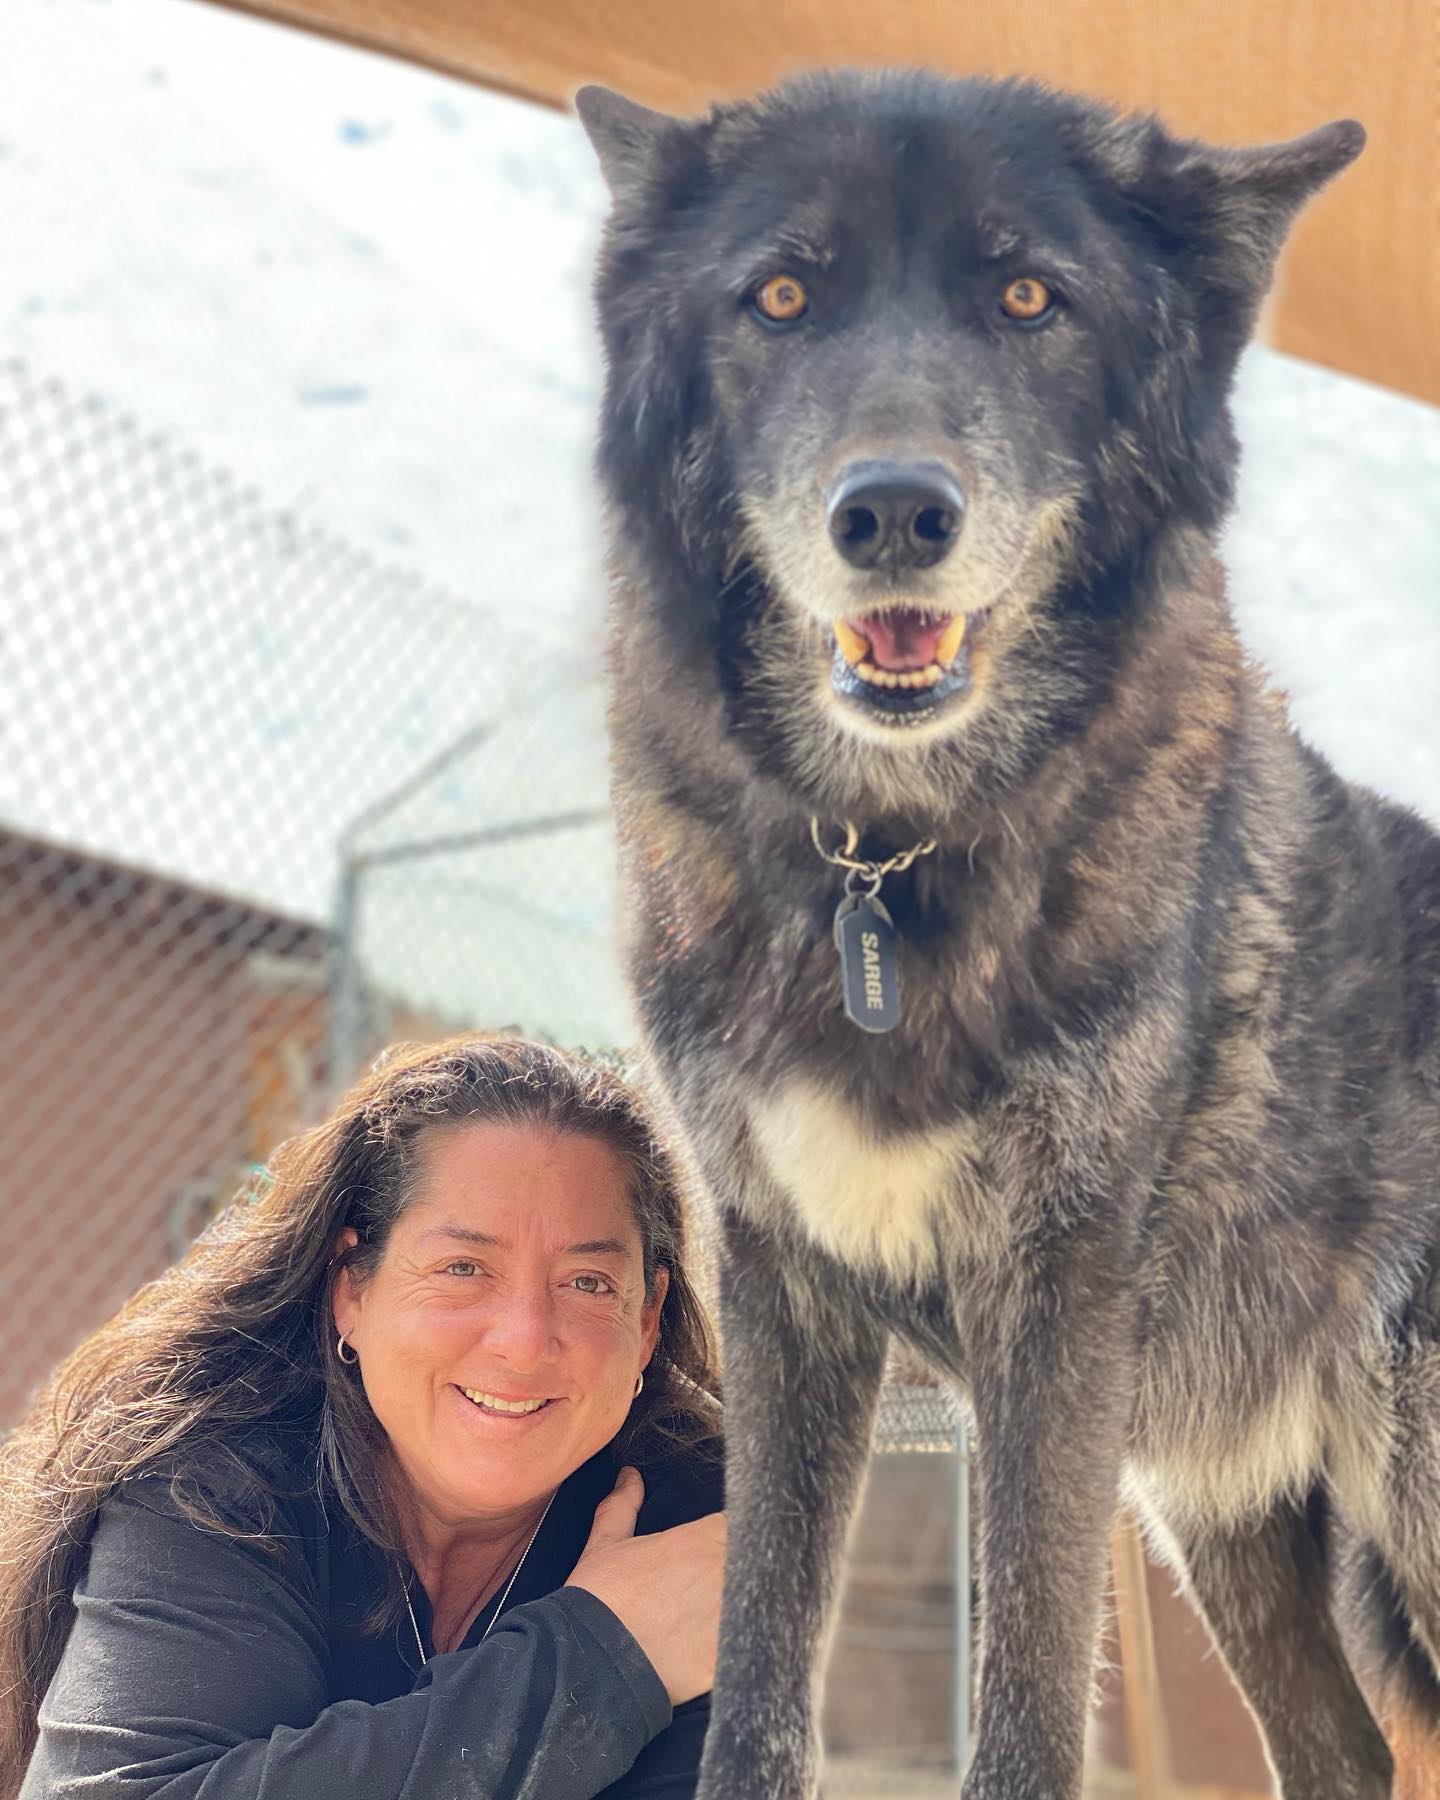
(344, 1034)
(962, 1594)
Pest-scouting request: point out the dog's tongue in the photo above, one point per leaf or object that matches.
(903, 639)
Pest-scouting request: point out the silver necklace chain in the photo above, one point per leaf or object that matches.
(504, 1594)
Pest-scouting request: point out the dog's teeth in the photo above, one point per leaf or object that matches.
(853, 647)
(909, 679)
(900, 678)
(951, 639)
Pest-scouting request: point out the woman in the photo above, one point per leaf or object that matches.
(337, 1506)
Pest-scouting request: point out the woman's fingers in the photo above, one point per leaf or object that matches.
(616, 1514)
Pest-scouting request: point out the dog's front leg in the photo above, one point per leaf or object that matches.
(804, 1360)
(1051, 1393)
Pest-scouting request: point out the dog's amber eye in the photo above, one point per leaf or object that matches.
(781, 298)
(1026, 299)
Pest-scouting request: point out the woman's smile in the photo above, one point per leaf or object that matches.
(510, 1411)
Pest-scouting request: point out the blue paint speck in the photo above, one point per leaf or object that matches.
(357, 131)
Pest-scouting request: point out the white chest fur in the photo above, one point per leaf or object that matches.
(869, 1201)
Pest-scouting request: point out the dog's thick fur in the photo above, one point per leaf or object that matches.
(1149, 1166)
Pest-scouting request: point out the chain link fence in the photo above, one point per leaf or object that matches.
(265, 806)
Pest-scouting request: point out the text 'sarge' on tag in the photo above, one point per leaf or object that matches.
(869, 963)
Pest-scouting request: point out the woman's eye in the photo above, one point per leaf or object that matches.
(592, 1284)
(466, 1267)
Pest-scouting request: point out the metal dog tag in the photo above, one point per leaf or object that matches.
(869, 962)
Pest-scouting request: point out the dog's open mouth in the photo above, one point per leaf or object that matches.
(903, 662)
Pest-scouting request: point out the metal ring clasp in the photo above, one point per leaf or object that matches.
(863, 878)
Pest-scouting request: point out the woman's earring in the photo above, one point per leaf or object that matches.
(639, 1383)
(353, 1357)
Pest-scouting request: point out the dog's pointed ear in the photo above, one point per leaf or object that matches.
(625, 134)
(1238, 204)
(1251, 196)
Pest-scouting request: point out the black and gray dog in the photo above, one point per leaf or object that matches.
(1113, 1085)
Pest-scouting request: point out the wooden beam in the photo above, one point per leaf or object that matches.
(1360, 281)
(1144, 1707)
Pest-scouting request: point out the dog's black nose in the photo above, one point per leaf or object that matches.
(895, 515)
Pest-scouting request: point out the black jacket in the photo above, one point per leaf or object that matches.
(201, 1667)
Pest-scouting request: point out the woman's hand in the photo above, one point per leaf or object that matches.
(665, 1589)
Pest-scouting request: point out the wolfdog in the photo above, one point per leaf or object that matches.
(1022, 984)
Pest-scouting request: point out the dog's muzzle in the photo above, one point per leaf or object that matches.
(900, 662)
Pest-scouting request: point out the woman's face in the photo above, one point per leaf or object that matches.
(500, 1337)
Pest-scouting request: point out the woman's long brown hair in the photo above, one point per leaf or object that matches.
(232, 1351)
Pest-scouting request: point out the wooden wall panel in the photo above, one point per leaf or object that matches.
(1360, 288)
